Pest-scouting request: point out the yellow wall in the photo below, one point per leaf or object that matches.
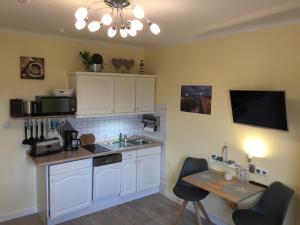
(17, 174)
(260, 60)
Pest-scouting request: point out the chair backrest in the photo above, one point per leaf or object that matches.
(275, 201)
(192, 165)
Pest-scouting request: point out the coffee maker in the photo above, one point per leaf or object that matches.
(71, 141)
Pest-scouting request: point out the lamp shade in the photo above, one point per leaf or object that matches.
(94, 26)
(81, 13)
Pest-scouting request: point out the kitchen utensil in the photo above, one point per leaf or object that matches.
(90, 139)
(31, 139)
(42, 138)
(51, 133)
(26, 141)
(36, 130)
(83, 139)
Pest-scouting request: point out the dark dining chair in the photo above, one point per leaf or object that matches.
(189, 192)
(270, 210)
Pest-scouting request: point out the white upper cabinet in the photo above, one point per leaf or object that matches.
(124, 94)
(95, 95)
(145, 94)
(108, 93)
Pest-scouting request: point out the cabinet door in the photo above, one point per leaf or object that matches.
(95, 95)
(107, 181)
(145, 94)
(148, 172)
(70, 191)
(128, 180)
(124, 94)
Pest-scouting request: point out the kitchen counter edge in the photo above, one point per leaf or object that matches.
(81, 153)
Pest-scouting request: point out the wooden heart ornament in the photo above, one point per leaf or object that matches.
(127, 63)
(117, 63)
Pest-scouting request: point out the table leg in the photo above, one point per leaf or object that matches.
(197, 211)
(180, 212)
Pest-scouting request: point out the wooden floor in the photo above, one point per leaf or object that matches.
(151, 210)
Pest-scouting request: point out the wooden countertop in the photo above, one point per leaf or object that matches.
(81, 153)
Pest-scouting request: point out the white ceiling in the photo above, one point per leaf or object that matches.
(180, 20)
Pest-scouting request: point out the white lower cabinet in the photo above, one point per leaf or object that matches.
(71, 190)
(107, 181)
(73, 185)
(129, 173)
(148, 172)
(140, 171)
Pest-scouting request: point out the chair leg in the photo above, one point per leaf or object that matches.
(180, 212)
(204, 211)
(197, 211)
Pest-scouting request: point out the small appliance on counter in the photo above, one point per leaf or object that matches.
(71, 141)
(54, 105)
(150, 122)
(45, 147)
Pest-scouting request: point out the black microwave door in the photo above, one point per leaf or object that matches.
(58, 106)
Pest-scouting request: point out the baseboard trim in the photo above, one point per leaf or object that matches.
(15, 215)
(214, 219)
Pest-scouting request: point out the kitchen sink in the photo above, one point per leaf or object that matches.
(131, 142)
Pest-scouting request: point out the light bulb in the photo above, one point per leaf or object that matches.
(132, 32)
(138, 12)
(107, 19)
(94, 26)
(155, 28)
(137, 25)
(111, 32)
(80, 24)
(81, 13)
(123, 33)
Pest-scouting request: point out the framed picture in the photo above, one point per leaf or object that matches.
(32, 68)
(196, 99)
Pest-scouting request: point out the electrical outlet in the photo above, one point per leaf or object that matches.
(261, 171)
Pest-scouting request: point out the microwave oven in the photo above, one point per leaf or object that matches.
(53, 105)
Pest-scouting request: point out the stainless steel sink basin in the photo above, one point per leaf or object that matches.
(131, 142)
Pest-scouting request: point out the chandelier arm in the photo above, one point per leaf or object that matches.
(98, 9)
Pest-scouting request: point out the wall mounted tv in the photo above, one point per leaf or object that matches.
(259, 108)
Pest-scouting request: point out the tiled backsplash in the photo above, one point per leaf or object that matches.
(109, 128)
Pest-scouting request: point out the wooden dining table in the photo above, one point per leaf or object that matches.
(233, 191)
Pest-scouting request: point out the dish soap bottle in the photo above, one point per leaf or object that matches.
(225, 153)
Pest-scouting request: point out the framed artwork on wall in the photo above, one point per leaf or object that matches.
(196, 99)
(32, 68)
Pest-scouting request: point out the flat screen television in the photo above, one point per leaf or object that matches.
(259, 108)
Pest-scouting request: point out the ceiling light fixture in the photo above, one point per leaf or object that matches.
(116, 18)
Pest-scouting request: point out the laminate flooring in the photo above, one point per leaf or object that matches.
(150, 210)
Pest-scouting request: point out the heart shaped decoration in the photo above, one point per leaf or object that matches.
(117, 63)
(129, 64)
